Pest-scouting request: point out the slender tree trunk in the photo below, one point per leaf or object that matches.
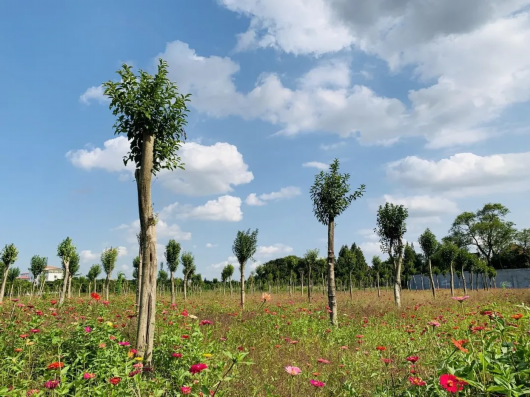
(242, 267)
(302, 282)
(432, 279)
(172, 289)
(146, 315)
(452, 281)
(4, 280)
(11, 289)
(185, 284)
(65, 282)
(378, 289)
(397, 280)
(332, 300)
(107, 282)
(309, 284)
(69, 286)
(323, 285)
(230, 283)
(140, 256)
(351, 291)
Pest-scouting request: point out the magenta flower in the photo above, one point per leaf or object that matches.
(197, 368)
(293, 370)
(323, 361)
(88, 329)
(124, 343)
(317, 383)
(51, 384)
(88, 375)
(434, 323)
(460, 298)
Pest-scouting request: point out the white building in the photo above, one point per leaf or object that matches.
(52, 273)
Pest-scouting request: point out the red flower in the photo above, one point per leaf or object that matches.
(177, 355)
(185, 336)
(317, 383)
(386, 360)
(413, 359)
(458, 344)
(185, 390)
(115, 380)
(53, 302)
(451, 383)
(96, 297)
(380, 348)
(197, 368)
(56, 365)
(415, 381)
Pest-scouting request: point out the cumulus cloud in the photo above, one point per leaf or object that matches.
(316, 164)
(284, 193)
(214, 169)
(210, 245)
(225, 208)
(424, 208)
(89, 256)
(163, 230)
(231, 259)
(463, 174)
(273, 250)
(93, 94)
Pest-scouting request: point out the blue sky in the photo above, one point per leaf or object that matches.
(427, 106)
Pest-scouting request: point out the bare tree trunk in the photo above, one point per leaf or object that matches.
(140, 267)
(4, 279)
(452, 281)
(185, 287)
(230, 283)
(351, 292)
(397, 279)
(146, 315)
(432, 279)
(172, 289)
(309, 284)
(323, 285)
(378, 289)
(242, 267)
(107, 282)
(65, 282)
(69, 286)
(332, 300)
(302, 282)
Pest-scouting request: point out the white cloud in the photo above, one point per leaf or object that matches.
(273, 250)
(163, 230)
(122, 251)
(208, 170)
(284, 193)
(93, 94)
(463, 174)
(316, 164)
(88, 256)
(425, 208)
(332, 146)
(225, 208)
(231, 259)
(210, 245)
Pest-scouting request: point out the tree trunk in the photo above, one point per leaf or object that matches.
(432, 279)
(65, 283)
(397, 280)
(471, 281)
(332, 301)
(172, 289)
(146, 315)
(323, 285)
(3, 288)
(351, 292)
(185, 285)
(378, 289)
(107, 282)
(69, 286)
(452, 281)
(302, 282)
(309, 284)
(140, 267)
(291, 283)
(242, 266)
(230, 283)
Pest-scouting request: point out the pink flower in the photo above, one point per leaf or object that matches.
(198, 368)
(323, 361)
(460, 298)
(124, 343)
(205, 322)
(51, 384)
(88, 375)
(88, 329)
(317, 383)
(433, 323)
(34, 331)
(293, 370)
(177, 355)
(185, 390)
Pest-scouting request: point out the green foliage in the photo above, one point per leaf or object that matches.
(172, 255)
(245, 246)
(94, 272)
(151, 105)
(162, 277)
(227, 272)
(74, 264)
(391, 228)
(330, 193)
(119, 283)
(109, 256)
(66, 251)
(37, 265)
(428, 243)
(12, 274)
(9, 255)
(188, 264)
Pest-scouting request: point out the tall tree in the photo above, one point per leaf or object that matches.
(391, 228)
(74, 268)
(429, 245)
(310, 259)
(225, 276)
(188, 268)
(8, 256)
(291, 263)
(108, 259)
(120, 279)
(487, 230)
(66, 251)
(522, 238)
(93, 274)
(347, 262)
(228, 273)
(448, 253)
(12, 276)
(152, 114)
(36, 267)
(244, 248)
(409, 260)
(172, 258)
(377, 267)
(331, 196)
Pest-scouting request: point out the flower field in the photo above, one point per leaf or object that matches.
(279, 346)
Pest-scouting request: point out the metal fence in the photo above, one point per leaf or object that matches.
(509, 278)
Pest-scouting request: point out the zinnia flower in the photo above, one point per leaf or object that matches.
(433, 323)
(317, 383)
(458, 344)
(185, 390)
(177, 355)
(460, 298)
(88, 375)
(266, 297)
(205, 322)
(412, 359)
(380, 348)
(51, 384)
(323, 361)
(115, 380)
(88, 329)
(198, 368)
(32, 392)
(451, 383)
(516, 316)
(56, 365)
(124, 343)
(293, 370)
(95, 296)
(415, 381)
